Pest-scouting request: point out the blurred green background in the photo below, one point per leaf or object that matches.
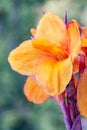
(16, 19)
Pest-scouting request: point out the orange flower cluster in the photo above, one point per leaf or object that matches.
(51, 58)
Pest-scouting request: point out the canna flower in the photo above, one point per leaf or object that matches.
(48, 58)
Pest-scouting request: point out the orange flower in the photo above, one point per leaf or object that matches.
(48, 59)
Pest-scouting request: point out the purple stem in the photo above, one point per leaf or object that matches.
(72, 106)
(66, 115)
(71, 100)
(71, 116)
(77, 124)
(60, 101)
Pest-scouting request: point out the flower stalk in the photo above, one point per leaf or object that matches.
(66, 115)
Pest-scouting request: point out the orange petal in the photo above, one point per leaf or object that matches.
(54, 81)
(24, 58)
(52, 29)
(34, 92)
(30, 54)
(50, 48)
(53, 75)
(75, 42)
(64, 74)
(82, 94)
